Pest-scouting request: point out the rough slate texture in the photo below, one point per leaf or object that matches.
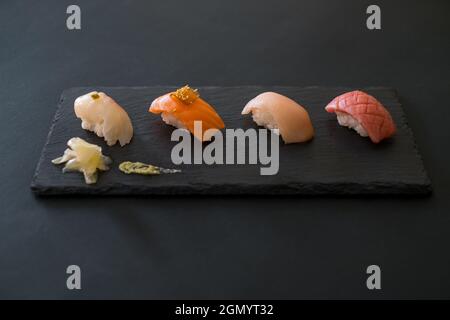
(336, 161)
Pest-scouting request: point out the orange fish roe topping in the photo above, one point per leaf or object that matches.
(186, 94)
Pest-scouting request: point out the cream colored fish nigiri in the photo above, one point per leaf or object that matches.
(101, 114)
(275, 111)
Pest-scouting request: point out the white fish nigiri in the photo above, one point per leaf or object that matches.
(275, 111)
(101, 114)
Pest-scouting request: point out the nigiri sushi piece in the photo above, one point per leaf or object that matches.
(363, 113)
(101, 114)
(183, 107)
(84, 157)
(275, 111)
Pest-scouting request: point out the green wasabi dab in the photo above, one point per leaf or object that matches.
(129, 167)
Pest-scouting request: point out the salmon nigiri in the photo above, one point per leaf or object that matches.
(363, 113)
(183, 107)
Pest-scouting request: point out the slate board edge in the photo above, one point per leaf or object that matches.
(427, 180)
(313, 189)
(34, 185)
(292, 189)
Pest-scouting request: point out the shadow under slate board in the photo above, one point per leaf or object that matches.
(336, 161)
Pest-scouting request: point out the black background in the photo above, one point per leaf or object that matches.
(221, 247)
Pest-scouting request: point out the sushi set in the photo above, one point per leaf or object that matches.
(324, 141)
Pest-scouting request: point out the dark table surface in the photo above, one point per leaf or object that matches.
(222, 247)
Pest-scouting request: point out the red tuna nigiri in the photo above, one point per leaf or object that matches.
(363, 113)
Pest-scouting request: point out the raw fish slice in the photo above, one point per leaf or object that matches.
(275, 111)
(101, 114)
(364, 114)
(184, 106)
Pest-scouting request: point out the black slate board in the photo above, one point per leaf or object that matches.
(336, 161)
